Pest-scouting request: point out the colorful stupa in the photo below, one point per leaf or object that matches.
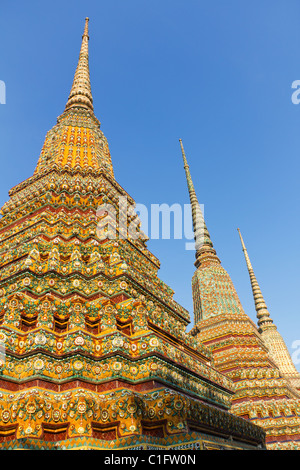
(95, 352)
(254, 358)
(268, 330)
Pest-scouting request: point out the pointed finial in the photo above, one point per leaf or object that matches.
(249, 266)
(86, 28)
(262, 312)
(81, 94)
(205, 252)
(183, 155)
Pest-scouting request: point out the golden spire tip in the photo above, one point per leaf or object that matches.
(86, 28)
(81, 94)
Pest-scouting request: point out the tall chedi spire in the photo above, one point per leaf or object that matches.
(263, 316)
(76, 141)
(262, 392)
(81, 94)
(97, 355)
(206, 302)
(205, 251)
(268, 330)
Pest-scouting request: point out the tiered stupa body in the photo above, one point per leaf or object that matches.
(263, 395)
(96, 349)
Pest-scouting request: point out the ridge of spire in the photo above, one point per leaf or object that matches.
(81, 94)
(205, 252)
(262, 312)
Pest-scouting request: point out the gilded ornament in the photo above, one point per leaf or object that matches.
(5, 416)
(40, 339)
(38, 364)
(118, 342)
(79, 341)
(78, 365)
(30, 407)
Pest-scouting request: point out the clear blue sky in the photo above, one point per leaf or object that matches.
(216, 74)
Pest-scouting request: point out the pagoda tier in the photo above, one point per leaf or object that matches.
(95, 348)
(263, 395)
